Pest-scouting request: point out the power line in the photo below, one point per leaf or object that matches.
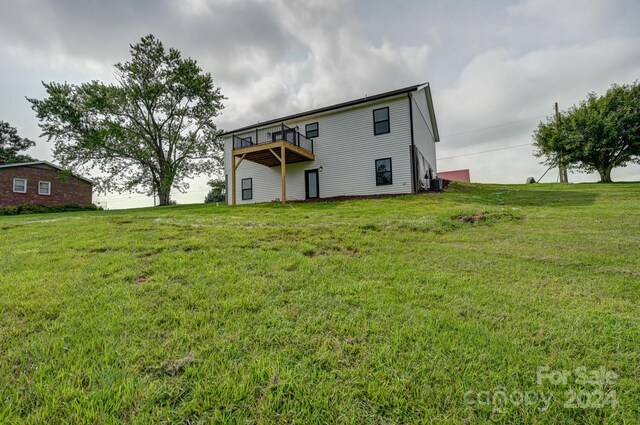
(490, 150)
(486, 141)
(492, 126)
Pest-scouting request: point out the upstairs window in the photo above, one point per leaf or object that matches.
(20, 185)
(247, 189)
(44, 188)
(381, 121)
(383, 172)
(312, 130)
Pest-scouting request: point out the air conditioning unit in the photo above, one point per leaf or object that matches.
(435, 184)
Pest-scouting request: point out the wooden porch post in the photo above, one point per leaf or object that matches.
(233, 180)
(234, 167)
(283, 172)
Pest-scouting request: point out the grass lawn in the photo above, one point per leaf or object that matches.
(414, 309)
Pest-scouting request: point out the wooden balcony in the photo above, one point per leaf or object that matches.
(271, 147)
(269, 153)
(258, 145)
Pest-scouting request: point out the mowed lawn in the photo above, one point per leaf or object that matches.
(399, 310)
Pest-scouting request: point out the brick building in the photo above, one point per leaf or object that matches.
(42, 183)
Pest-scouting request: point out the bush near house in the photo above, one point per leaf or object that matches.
(40, 209)
(411, 309)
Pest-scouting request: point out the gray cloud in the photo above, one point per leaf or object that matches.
(579, 19)
(76, 32)
(495, 83)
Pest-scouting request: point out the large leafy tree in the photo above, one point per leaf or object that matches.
(11, 145)
(599, 134)
(148, 132)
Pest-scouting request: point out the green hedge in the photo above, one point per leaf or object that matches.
(40, 209)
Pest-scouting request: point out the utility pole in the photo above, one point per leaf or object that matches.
(564, 178)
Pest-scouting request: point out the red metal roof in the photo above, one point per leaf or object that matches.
(458, 175)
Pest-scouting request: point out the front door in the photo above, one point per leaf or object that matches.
(312, 184)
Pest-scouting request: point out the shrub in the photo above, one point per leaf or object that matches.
(217, 192)
(41, 209)
(10, 211)
(214, 196)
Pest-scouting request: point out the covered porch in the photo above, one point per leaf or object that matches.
(271, 147)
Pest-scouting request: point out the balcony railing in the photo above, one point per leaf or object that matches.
(272, 134)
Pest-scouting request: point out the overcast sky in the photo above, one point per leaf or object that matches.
(495, 64)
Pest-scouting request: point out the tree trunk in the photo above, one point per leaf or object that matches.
(164, 196)
(605, 175)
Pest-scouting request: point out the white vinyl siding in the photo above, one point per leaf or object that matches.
(346, 149)
(422, 132)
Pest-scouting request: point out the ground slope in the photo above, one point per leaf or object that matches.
(420, 308)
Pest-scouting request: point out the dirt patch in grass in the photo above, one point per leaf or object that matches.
(371, 227)
(190, 248)
(333, 250)
(151, 253)
(486, 217)
(140, 280)
(473, 218)
(176, 367)
(100, 250)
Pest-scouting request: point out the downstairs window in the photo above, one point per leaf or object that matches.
(383, 172)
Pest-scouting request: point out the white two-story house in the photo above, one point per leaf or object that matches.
(382, 144)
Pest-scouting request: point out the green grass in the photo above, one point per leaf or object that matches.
(370, 311)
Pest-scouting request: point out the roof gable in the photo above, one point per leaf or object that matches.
(330, 108)
(45, 163)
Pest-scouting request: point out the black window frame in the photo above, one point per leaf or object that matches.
(375, 123)
(390, 171)
(306, 183)
(307, 132)
(250, 189)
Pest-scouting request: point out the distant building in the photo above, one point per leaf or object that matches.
(457, 175)
(42, 183)
(380, 144)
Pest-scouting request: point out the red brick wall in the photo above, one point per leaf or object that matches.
(72, 191)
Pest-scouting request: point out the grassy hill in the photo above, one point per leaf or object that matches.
(407, 309)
